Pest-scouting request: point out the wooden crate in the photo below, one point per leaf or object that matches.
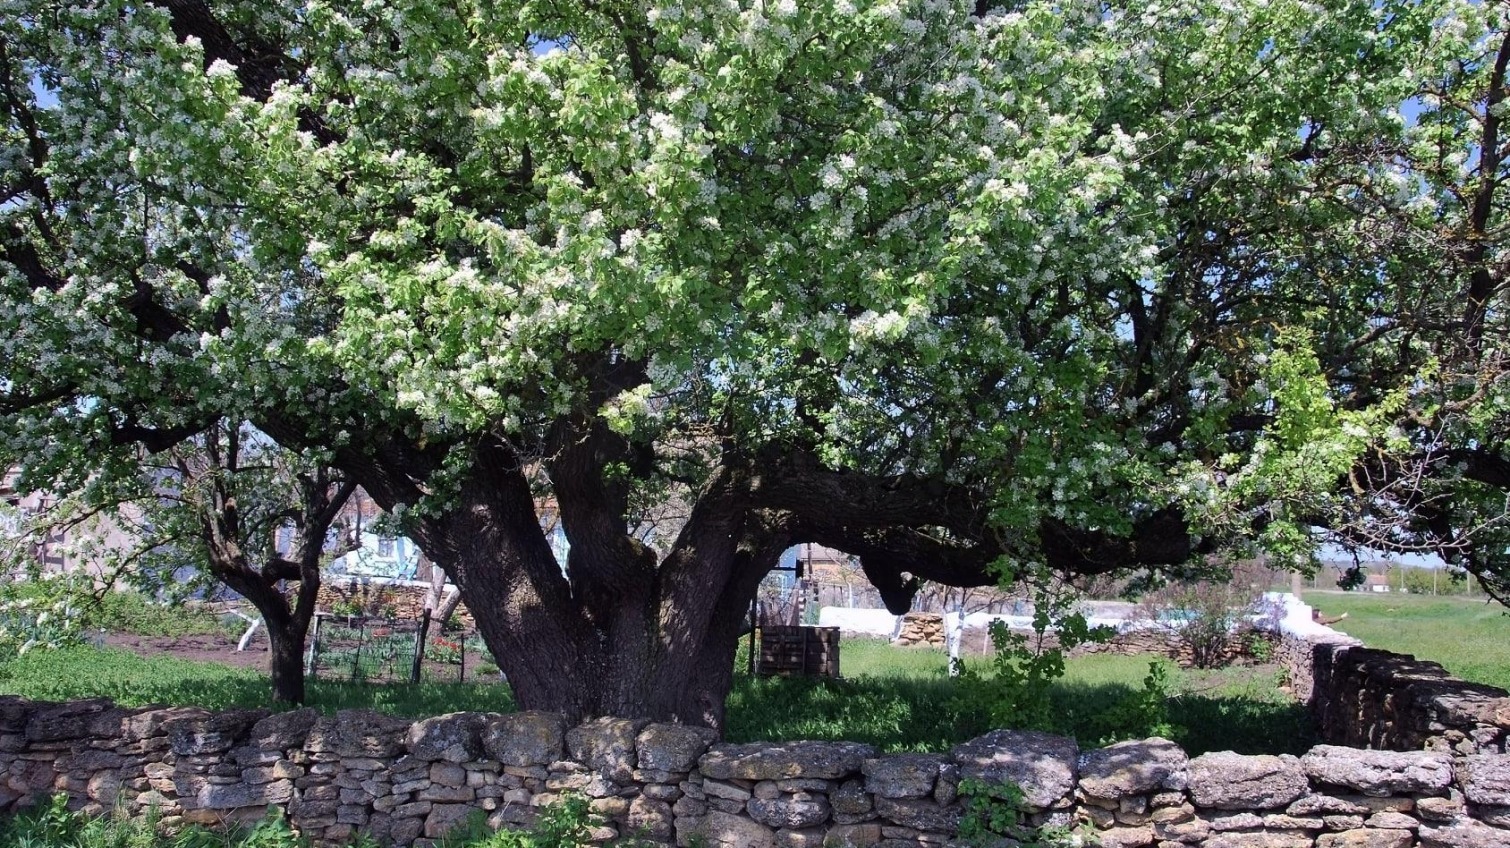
(799, 652)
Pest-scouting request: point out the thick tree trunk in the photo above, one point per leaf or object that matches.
(287, 625)
(617, 632)
(286, 662)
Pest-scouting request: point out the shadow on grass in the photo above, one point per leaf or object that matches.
(892, 713)
(897, 714)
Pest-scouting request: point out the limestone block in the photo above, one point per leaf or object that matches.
(443, 817)
(903, 775)
(279, 770)
(1280, 839)
(731, 831)
(661, 792)
(1042, 765)
(650, 819)
(1228, 781)
(1366, 837)
(447, 794)
(1309, 805)
(90, 759)
(1486, 778)
(282, 731)
(812, 837)
(358, 733)
(920, 813)
(214, 733)
(73, 720)
(448, 774)
(1126, 837)
(1439, 809)
(850, 798)
(454, 737)
(790, 811)
(1463, 833)
(1280, 821)
(1236, 821)
(756, 761)
(1193, 830)
(606, 745)
(672, 747)
(232, 795)
(1378, 773)
(1133, 768)
(853, 835)
(525, 740)
(610, 807)
(405, 830)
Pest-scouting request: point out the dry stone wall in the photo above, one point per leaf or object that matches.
(928, 629)
(1367, 698)
(405, 782)
(400, 600)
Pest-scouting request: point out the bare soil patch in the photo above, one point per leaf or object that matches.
(203, 647)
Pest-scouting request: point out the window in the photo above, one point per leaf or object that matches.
(385, 546)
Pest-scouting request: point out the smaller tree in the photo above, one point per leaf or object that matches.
(226, 507)
(257, 519)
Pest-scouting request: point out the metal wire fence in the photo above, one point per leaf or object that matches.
(382, 650)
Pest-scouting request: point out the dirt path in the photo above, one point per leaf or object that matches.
(216, 648)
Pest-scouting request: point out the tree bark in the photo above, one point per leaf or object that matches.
(615, 632)
(286, 662)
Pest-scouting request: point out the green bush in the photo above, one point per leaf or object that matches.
(41, 612)
(135, 613)
(565, 824)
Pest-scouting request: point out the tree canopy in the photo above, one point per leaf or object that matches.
(1088, 285)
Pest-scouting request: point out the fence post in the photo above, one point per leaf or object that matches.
(314, 648)
(419, 645)
(356, 656)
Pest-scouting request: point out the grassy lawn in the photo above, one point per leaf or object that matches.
(895, 698)
(901, 699)
(133, 681)
(1466, 636)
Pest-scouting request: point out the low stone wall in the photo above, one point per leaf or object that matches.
(928, 629)
(382, 599)
(1368, 698)
(403, 783)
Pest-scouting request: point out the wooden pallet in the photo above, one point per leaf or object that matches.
(799, 652)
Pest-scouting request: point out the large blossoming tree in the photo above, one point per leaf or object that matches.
(941, 286)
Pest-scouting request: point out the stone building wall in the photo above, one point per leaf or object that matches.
(403, 783)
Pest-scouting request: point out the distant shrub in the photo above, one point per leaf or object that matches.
(1211, 619)
(135, 613)
(40, 612)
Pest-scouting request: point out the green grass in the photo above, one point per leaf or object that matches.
(894, 698)
(566, 823)
(1466, 636)
(133, 681)
(900, 699)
